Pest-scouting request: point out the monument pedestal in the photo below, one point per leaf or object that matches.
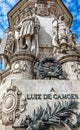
(31, 94)
(40, 87)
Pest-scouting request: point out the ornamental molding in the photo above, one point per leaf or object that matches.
(13, 103)
(66, 58)
(21, 55)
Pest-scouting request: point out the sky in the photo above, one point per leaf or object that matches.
(72, 5)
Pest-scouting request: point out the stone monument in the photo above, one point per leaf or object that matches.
(40, 76)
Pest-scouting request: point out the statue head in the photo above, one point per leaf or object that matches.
(29, 12)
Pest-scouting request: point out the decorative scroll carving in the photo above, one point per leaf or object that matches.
(13, 103)
(49, 68)
(42, 10)
(45, 118)
(22, 104)
(20, 66)
(45, 8)
(76, 68)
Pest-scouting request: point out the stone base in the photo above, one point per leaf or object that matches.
(39, 93)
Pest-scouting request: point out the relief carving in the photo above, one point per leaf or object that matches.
(20, 66)
(27, 26)
(23, 104)
(16, 67)
(62, 35)
(63, 40)
(55, 42)
(45, 8)
(13, 103)
(9, 48)
(76, 68)
(42, 10)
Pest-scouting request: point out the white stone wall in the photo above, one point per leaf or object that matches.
(45, 33)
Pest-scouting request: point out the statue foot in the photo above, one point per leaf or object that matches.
(25, 46)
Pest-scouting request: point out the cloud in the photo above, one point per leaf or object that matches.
(5, 6)
(72, 5)
(12, 2)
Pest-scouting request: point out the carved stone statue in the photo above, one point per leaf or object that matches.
(72, 42)
(62, 33)
(74, 39)
(63, 39)
(35, 44)
(27, 29)
(55, 35)
(9, 48)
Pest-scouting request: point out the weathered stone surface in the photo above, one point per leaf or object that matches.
(41, 92)
(20, 95)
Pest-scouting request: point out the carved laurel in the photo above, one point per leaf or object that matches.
(45, 118)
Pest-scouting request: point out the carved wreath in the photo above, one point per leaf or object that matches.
(45, 118)
(48, 67)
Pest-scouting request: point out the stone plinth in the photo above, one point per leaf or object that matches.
(40, 92)
(40, 45)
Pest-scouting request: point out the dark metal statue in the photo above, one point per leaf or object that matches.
(45, 118)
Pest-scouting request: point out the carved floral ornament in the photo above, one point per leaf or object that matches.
(12, 105)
